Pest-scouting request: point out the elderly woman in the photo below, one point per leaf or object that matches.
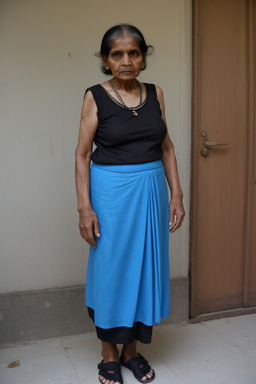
(124, 212)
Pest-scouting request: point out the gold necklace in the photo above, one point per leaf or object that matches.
(133, 109)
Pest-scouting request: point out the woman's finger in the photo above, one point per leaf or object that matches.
(96, 227)
(172, 221)
(90, 238)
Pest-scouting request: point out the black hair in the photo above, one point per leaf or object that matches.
(116, 31)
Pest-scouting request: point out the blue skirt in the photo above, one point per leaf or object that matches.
(128, 273)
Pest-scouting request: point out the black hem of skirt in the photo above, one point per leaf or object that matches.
(124, 335)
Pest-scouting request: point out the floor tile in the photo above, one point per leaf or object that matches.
(197, 354)
(44, 362)
(213, 352)
(239, 331)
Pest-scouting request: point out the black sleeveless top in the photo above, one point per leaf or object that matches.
(121, 137)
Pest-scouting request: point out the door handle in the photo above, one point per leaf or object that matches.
(209, 144)
(214, 143)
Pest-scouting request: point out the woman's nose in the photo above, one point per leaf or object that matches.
(126, 60)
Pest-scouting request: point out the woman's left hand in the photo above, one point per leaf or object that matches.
(176, 214)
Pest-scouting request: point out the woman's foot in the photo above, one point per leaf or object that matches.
(110, 373)
(109, 368)
(136, 363)
(139, 367)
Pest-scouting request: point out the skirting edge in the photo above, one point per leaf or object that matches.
(37, 315)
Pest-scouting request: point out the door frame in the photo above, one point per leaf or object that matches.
(251, 144)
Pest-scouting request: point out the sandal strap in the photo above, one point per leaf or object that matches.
(104, 369)
(138, 365)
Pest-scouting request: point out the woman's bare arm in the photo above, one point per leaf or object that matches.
(176, 209)
(88, 221)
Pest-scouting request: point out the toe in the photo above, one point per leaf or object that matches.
(148, 376)
(103, 380)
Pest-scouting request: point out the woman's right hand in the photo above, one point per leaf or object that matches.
(89, 226)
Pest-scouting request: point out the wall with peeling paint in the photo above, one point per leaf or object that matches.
(47, 61)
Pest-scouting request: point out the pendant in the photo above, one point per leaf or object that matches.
(134, 113)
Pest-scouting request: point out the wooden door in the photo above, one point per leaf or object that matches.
(223, 250)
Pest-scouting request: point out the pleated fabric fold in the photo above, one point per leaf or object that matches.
(128, 273)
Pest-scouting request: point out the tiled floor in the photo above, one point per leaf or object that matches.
(214, 352)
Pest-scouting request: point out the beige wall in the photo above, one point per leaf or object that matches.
(47, 60)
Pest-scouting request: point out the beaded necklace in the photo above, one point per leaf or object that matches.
(133, 109)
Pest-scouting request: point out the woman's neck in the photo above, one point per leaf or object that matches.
(126, 85)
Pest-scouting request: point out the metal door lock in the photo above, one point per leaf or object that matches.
(205, 152)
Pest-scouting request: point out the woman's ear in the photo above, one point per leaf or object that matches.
(105, 62)
(144, 62)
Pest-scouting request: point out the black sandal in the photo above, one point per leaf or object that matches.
(139, 367)
(105, 368)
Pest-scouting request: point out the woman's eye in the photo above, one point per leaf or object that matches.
(116, 54)
(134, 53)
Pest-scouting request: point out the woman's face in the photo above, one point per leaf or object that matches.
(125, 58)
